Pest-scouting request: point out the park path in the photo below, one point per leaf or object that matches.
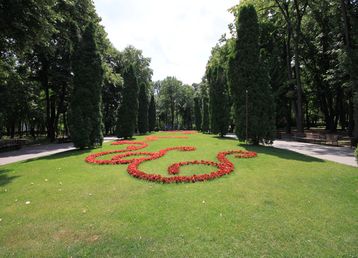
(37, 151)
(343, 155)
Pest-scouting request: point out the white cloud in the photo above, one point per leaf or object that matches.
(176, 34)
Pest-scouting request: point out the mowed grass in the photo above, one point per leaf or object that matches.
(280, 204)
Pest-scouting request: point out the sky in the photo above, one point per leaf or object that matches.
(177, 35)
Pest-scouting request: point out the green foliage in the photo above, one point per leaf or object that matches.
(24, 24)
(168, 96)
(86, 117)
(152, 114)
(128, 110)
(205, 127)
(185, 106)
(197, 113)
(111, 91)
(143, 109)
(219, 102)
(132, 56)
(249, 83)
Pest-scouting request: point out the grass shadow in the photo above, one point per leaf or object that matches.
(224, 138)
(4, 178)
(60, 155)
(281, 153)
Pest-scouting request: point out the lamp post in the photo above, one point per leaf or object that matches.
(247, 116)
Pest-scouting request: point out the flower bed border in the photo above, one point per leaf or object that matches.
(224, 166)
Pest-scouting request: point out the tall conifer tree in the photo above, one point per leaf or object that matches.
(85, 116)
(197, 113)
(128, 110)
(219, 100)
(205, 121)
(152, 114)
(143, 110)
(254, 108)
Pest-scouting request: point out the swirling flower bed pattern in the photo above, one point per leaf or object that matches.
(224, 166)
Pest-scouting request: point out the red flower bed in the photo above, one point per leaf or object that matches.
(224, 166)
(178, 131)
(155, 138)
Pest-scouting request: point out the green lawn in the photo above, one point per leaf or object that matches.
(279, 204)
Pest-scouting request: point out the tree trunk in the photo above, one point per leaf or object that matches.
(52, 118)
(288, 116)
(299, 91)
(289, 75)
(172, 115)
(12, 130)
(45, 85)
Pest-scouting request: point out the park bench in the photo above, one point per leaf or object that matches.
(332, 139)
(11, 144)
(309, 137)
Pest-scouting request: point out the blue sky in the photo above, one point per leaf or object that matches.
(176, 34)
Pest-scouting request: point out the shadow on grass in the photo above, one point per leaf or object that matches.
(4, 178)
(61, 155)
(283, 154)
(269, 150)
(224, 138)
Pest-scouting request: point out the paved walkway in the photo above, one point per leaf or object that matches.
(37, 151)
(343, 155)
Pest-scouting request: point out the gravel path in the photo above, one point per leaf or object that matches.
(37, 151)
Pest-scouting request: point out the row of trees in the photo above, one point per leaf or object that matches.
(293, 64)
(60, 74)
(285, 64)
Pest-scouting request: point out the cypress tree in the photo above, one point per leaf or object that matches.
(249, 82)
(143, 109)
(128, 110)
(197, 113)
(85, 121)
(205, 121)
(152, 114)
(219, 100)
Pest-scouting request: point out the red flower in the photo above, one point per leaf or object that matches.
(224, 166)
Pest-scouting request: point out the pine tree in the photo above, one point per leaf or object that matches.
(85, 114)
(205, 121)
(219, 100)
(197, 113)
(143, 109)
(128, 110)
(152, 114)
(249, 82)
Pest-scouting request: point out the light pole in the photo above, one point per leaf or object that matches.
(247, 116)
